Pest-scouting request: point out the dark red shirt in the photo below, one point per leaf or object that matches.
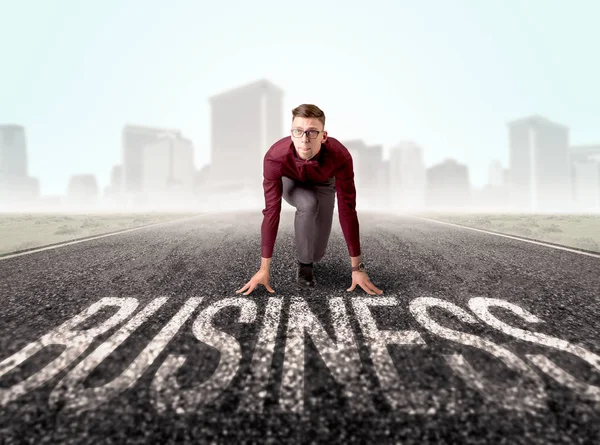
(333, 160)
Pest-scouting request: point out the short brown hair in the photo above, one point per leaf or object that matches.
(309, 110)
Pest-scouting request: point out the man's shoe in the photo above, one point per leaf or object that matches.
(305, 276)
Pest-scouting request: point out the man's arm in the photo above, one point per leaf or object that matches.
(273, 190)
(346, 199)
(265, 263)
(355, 260)
(346, 193)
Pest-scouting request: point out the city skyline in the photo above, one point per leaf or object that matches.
(545, 172)
(449, 81)
(384, 150)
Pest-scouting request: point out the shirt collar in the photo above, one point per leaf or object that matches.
(313, 161)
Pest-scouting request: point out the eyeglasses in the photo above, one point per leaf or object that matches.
(298, 133)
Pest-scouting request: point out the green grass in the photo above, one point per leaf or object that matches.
(25, 231)
(580, 231)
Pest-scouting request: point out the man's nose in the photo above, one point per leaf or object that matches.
(305, 136)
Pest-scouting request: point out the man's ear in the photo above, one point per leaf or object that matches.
(324, 136)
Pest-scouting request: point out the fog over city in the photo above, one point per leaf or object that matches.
(444, 106)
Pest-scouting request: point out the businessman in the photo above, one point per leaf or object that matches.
(307, 169)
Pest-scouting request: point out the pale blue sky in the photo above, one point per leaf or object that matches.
(447, 74)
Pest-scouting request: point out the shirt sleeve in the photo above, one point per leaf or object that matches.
(346, 199)
(273, 189)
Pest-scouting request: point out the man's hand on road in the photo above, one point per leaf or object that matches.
(362, 279)
(261, 277)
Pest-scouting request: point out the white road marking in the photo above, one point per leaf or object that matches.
(540, 243)
(341, 357)
(71, 388)
(166, 392)
(527, 395)
(340, 354)
(480, 306)
(255, 387)
(67, 243)
(400, 398)
(76, 341)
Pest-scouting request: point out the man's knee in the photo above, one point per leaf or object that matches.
(307, 203)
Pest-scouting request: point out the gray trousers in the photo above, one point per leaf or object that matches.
(314, 216)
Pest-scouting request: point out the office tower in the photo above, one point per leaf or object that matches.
(506, 177)
(113, 192)
(116, 179)
(134, 139)
(407, 183)
(13, 152)
(582, 152)
(495, 174)
(448, 186)
(158, 165)
(539, 165)
(383, 195)
(585, 177)
(369, 177)
(245, 122)
(493, 196)
(17, 188)
(82, 192)
(168, 171)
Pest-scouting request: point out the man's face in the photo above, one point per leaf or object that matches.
(306, 147)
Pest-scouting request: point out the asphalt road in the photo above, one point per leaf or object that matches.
(140, 338)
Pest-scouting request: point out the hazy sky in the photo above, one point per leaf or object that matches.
(447, 74)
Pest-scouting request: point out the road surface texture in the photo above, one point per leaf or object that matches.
(140, 337)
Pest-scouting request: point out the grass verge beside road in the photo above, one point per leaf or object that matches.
(26, 231)
(581, 231)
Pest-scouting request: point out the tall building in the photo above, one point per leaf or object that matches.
(448, 186)
(134, 139)
(82, 192)
(407, 183)
(589, 151)
(493, 196)
(113, 195)
(158, 165)
(506, 176)
(355, 148)
(245, 122)
(16, 186)
(168, 171)
(539, 165)
(13, 152)
(585, 177)
(116, 179)
(369, 173)
(201, 176)
(495, 174)
(383, 197)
